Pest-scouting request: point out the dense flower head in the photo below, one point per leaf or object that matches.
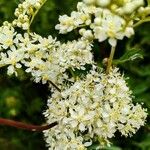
(45, 58)
(88, 108)
(105, 19)
(92, 108)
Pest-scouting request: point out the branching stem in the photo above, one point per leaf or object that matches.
(54, 85)
(33, 16)
(141, 22)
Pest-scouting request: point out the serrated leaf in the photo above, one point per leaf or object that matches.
(130, 55)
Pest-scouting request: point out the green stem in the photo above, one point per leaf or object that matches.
(110, 59)
(33, 16)
(72, 73)
(141, 22)
(54, 85)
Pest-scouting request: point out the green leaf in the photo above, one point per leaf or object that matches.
(112, 148)
(93, 147)
(145, 144)
(130, 55)
(148, 1)
(96, 147)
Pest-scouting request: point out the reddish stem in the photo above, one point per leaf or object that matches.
(25, 126)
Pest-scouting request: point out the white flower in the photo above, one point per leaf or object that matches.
(109, 23)
(111, 27)
(103, 3)
(67, 24)
(25, 11)
(33, 2)
(12, 58)
(87, 34)
(7, 34)
(47, 59)
(89, 2)
(76, 19)
(87, 106)
(75, 54)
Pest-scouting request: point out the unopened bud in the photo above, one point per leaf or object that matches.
(97, 21)
(105, 61)
(89, 2)
(103, 3)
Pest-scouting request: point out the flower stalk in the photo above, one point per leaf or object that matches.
(25, 126)
(113, 48)
(141, 22)
(33, 16)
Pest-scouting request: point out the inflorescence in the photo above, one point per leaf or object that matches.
(90, 107)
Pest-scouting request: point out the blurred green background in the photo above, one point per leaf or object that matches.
(23, 100)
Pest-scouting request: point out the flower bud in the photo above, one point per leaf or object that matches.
(97, 21)
(103, 3)
(37, 5)
(89, 2)
(25, 26)
(129, 32)
(128, 8)
(19, 24)
(114, 7)
(144, 11)
(81, 31)
(88, 35)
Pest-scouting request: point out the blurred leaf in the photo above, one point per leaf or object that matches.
(145, 144)
(130, 55)
(96, 147)
(93, 147)
(112, 148)
(148, 1)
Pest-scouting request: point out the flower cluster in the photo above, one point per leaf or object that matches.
(89, 106)
(92, 108)
(104, 19)
(25, 13)
(7, 33)
(45, 58)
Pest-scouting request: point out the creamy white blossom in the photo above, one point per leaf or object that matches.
(7, 34)
(110, 26)
(90, 106)
(110, 19)
(25, 12)
(12, 58)
(45, 58)
(69, 23)
(94, 107)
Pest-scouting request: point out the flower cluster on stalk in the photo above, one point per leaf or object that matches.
(89, 106)
(104, 19)
(90, 109)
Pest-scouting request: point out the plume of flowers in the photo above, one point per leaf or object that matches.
(104, 19)
(89, 107)
(92, 109)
